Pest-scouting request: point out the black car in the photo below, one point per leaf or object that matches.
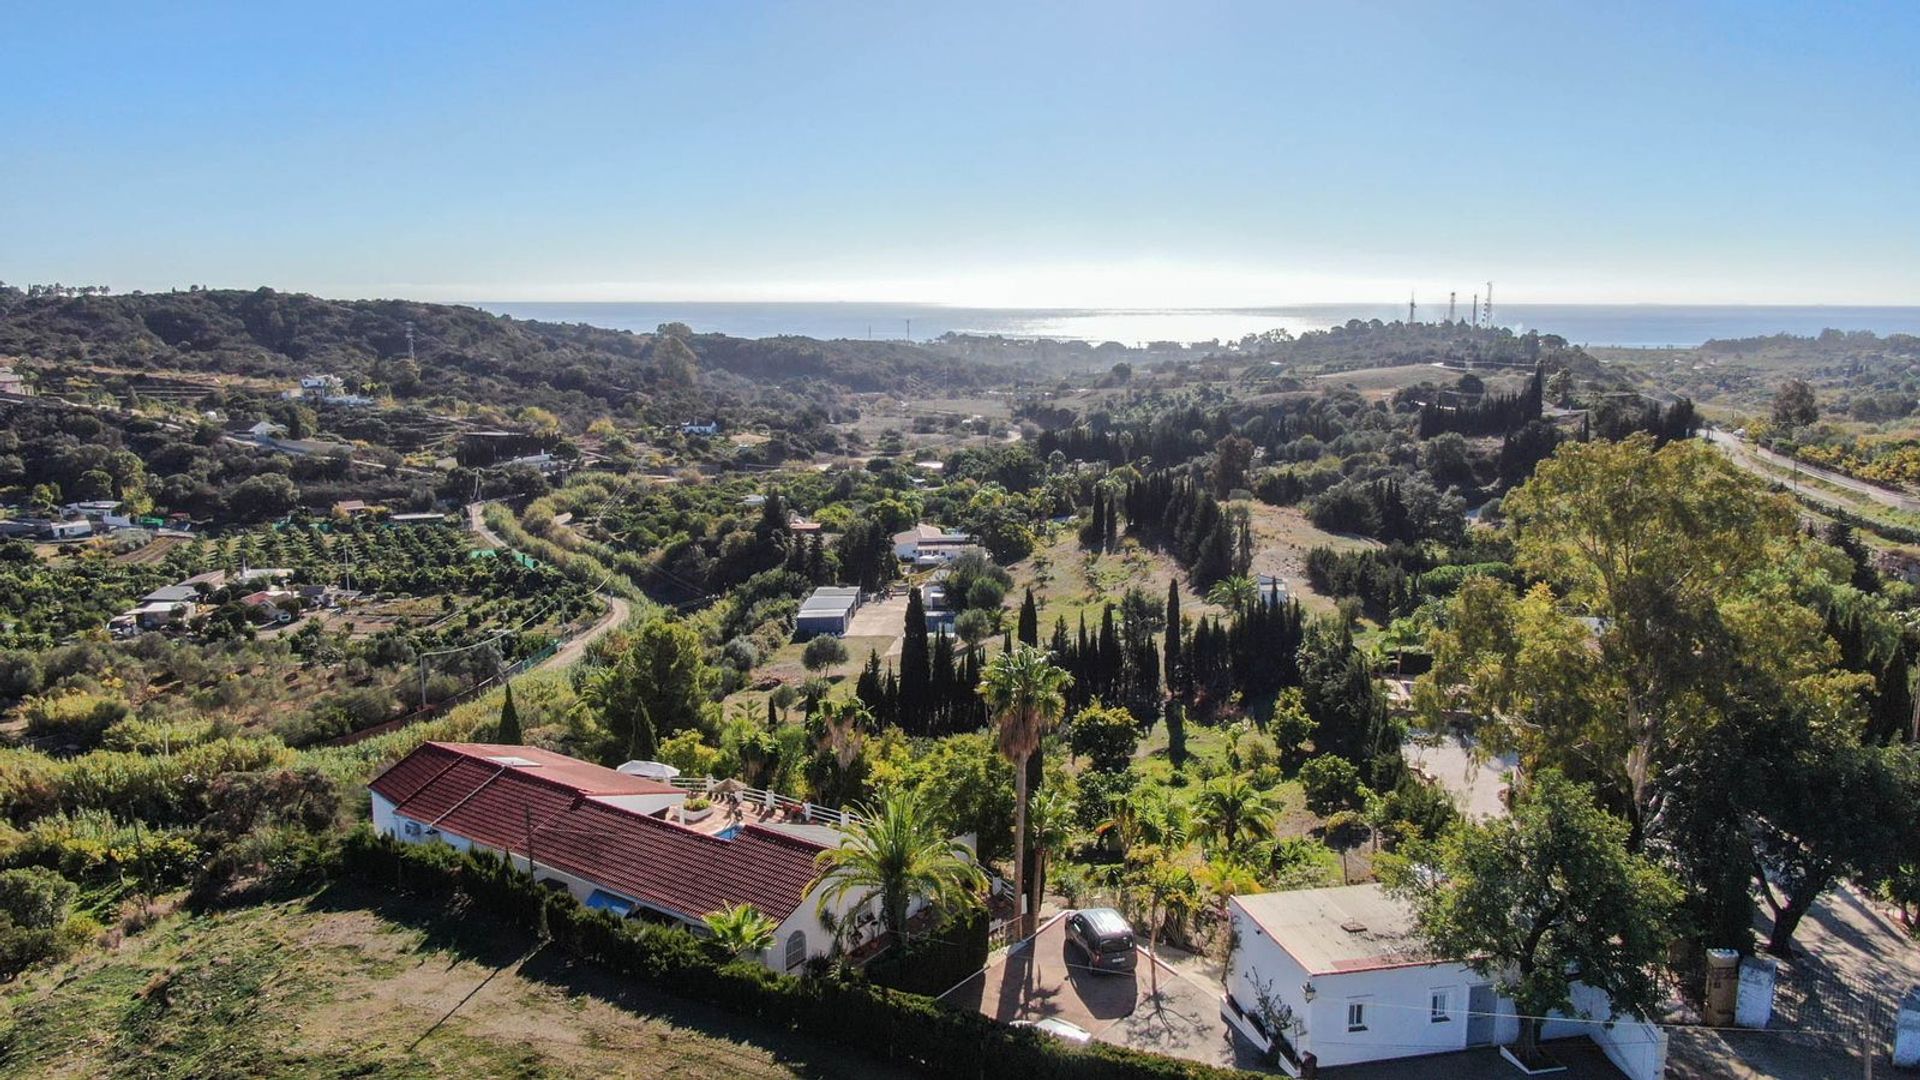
(1105, 937)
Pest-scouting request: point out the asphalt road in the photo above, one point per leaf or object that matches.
(1757, 460)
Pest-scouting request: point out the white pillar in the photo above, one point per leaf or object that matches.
(1754, 1007)
(1906, 1037)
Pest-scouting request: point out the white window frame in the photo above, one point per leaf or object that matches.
(1440, 1005)
(797, 938)
(1357, 1015)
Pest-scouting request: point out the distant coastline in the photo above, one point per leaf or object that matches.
(1622, 325)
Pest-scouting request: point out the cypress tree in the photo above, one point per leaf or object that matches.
(509, 732)
(941, 684)
(1175, 665)
(1110, 525)
(915, 674)
(1029, 621)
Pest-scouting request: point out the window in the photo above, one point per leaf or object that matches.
(1437, 1011)
(796, 950)
(1356, 1016)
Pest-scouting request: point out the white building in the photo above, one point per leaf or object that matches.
(1340, 975)
(617, 842)
(929, 545)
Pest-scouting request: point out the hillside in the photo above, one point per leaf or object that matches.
(343, 984)
(457, 353)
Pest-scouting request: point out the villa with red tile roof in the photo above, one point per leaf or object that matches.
(616, 842)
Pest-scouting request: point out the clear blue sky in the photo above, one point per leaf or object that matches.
(1057, 153)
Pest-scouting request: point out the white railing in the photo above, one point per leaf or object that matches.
(772, 801)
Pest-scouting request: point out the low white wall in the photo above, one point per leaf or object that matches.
(1636, 1048)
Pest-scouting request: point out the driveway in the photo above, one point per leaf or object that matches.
(1046, 977)
(883, 618)
(1474, 781)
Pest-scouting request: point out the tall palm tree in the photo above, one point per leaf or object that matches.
(1238, 592)
(742, 930)
(896, 853)
(1027, 695)
(1230, 807)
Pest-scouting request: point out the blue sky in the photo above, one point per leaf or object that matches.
(1116, 154)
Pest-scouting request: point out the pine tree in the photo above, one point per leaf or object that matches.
(509, 732)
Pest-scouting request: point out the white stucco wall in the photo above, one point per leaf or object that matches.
(1397, 1002)
(1398, 1011)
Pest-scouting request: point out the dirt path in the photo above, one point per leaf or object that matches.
(477, 524)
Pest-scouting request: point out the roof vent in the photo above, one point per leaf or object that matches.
(513, 762)
(1354, 926)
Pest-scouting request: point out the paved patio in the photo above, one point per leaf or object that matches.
(1584, 1061)
(1047, 978)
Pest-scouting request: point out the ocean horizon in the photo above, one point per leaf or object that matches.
(1618, 325)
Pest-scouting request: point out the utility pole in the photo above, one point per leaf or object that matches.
(1411, 308)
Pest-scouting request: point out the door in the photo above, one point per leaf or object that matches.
(1480, 1006)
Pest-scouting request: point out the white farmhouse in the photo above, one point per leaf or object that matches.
(1339, 974)
(929, 545)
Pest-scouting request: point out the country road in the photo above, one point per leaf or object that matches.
(619, 610)
(477, 523)
(1756, 459)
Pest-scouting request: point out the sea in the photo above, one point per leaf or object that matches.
(1626, 325)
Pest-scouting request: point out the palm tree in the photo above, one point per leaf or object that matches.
(1221, 878)
(896, 853)
(1238, 592)
(742, 930)
(1160, 884)
(1051, 821)
(1027, 695)
(1230, 806)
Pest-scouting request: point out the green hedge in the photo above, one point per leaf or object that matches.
(896, 1026)
(937, 964)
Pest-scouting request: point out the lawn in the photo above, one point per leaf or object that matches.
(349, 983)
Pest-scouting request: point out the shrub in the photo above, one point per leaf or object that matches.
(824, 652)
(1332, 784)
(74, 717)
(891, 1025)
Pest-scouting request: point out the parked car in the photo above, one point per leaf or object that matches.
(1103, 934)
(1058, 1028)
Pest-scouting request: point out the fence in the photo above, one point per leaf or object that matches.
(773, 801)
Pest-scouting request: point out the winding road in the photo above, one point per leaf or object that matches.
(1764, 463)
(619, 609)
